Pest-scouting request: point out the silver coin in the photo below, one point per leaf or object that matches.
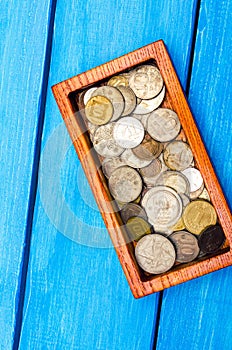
(129, 99)
(128, 132)
(186, 245)
(178, 155)
(115, 97)
(163, 207)
(132, 210)
(175, 180)
(185, 199)
(104, 142)
(91, 128)
(143, 118)
(125, 184)
(146, 81)
(151, 172)
(163, 125)
(88, 94)
(147, 106)
(111, 164)
(205, 195)
(196, 181)
(129, 158)
(155, 254)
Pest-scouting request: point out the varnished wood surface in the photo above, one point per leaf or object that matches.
(76, 295)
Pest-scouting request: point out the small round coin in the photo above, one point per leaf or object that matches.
(137, 227)
(118, 80)
(146, 81)
(104, 142)
(132, 210)
(163, 125)
(211, 239)
(147, 106)
(198, 215)
(155, 253)
(130, 99)
(99, 110)
(114, 96)
(186, 245)
(178, 155)
(175, 180)
(163, 207)
(125, 184)
(128, 132)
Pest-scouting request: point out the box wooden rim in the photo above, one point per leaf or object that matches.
(62, 91)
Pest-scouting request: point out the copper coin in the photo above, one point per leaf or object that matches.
(149, 149)
(211, 239)
(186, 245)
(132, 210)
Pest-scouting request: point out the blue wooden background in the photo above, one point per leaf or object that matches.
(59, 287)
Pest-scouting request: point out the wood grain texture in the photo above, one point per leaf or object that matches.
(77, 296)
(201, 309)
(23, 31)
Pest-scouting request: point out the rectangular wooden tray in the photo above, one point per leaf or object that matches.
(65, 93)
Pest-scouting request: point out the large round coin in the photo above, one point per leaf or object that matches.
(147, 106)
(146, 81)
(137, 227)
(175, 180)
(178, 155)
(198, 215)
(163, 207)
(99, 110)
(104, 142)
(211, 239)
(155, 253)
(131, 210)
(186, 245)
(128, 132)
(163, 125)
(115, 97)
(125, 184)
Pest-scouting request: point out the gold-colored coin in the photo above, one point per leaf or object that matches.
(137, 227)
(179, 225)
(99, 110)
(118, 80)
(198, 215)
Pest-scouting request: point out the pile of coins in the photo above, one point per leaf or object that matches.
(150, 170)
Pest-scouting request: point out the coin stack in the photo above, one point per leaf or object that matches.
(150, 170)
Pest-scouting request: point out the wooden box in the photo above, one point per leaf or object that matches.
(65, 94)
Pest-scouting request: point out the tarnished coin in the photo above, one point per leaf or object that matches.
(147, 106)
(205, 195)
(163, 125)
(175, 180)
(149, 149)
(178, 155)
(118, 80)
(186, 245)
(125, 184)
(152, 170)
(146, 81)
(196, 181)
(115, 97)
(128, 132)
(163, 207)
(111, 164)
(198, 215)
(99, 110)
(131, 210)
(129, 99)
(143, 118)
(155, 253)
(104, 142)
(211, 239)
(88, 94)
(129, 158)
(137, 227)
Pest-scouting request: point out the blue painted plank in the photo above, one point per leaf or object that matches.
(197, 314)
(77, 296)
(23, 32)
